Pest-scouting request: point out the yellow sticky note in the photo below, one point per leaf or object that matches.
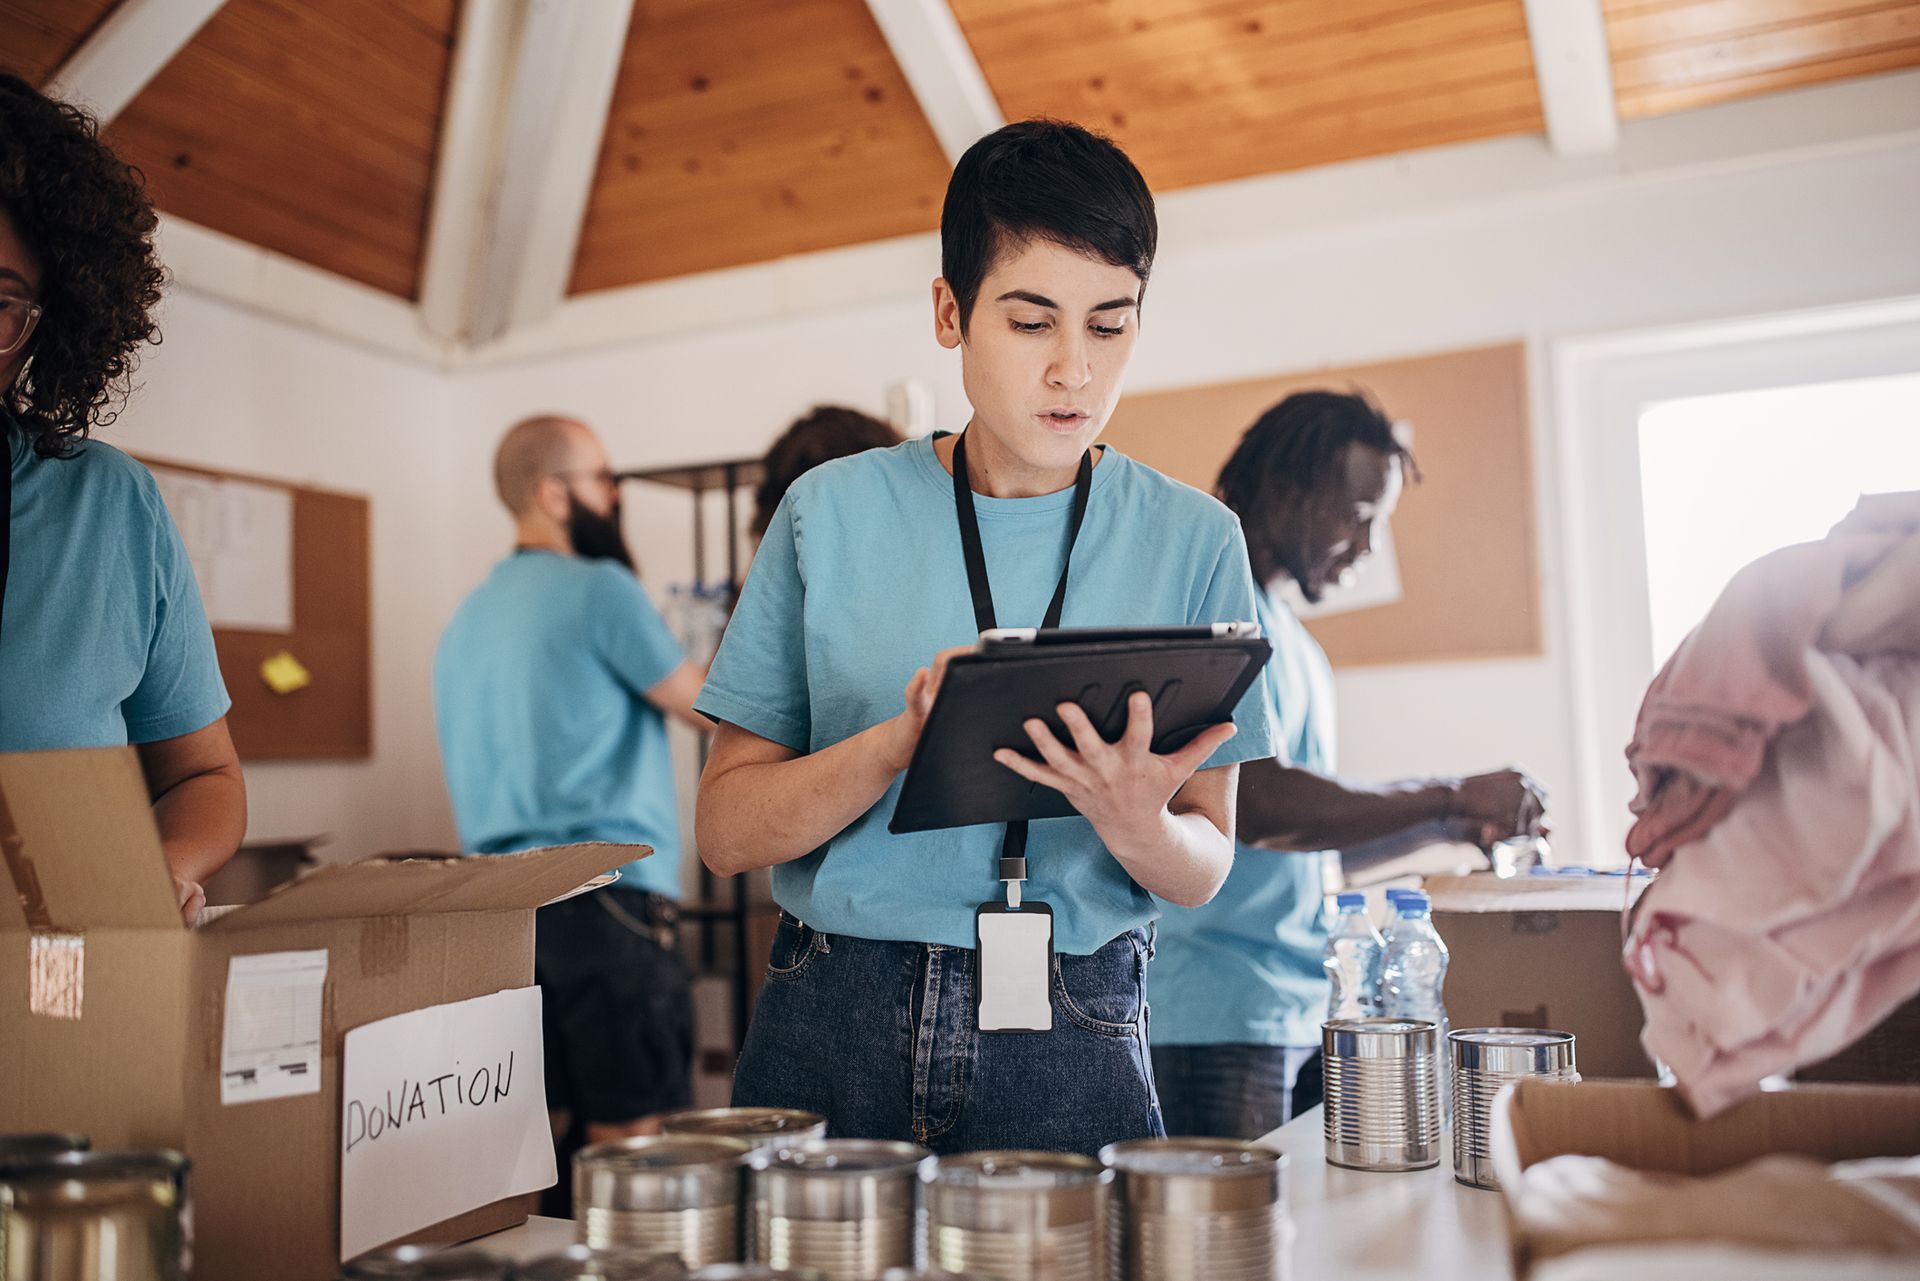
(284, 674)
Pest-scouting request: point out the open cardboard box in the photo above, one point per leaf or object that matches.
(1544, 951)
(112, 1013)
(1648, 1127)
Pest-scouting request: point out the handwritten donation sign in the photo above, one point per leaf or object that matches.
(441, 1111)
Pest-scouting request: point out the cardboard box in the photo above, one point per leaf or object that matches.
(1544, 952)
(129, 1051)
(259, 869)
(1648, 1127)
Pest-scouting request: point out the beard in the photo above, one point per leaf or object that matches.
(597, 537)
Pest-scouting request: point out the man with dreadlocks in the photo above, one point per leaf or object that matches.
(1238, 990)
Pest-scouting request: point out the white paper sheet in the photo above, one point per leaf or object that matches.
(441, 1111)
(270, 1041)
(239, 537)
(1376, 582)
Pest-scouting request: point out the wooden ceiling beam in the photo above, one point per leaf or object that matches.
(127, 51)
(1575, 72)
(558, 86)
(940, 67)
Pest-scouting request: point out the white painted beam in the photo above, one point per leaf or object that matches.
(1575, 72)
(127, 51)
(468, 163)
(940, 67)
(564, 65)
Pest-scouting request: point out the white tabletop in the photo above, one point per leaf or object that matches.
(1348, 1224)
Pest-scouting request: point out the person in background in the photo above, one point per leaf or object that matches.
(861, 590)
(1238, 990)
(552, 687)
(824, 433)
(103, 637)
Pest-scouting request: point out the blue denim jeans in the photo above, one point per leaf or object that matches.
(1235, 1091)
(881, 1038)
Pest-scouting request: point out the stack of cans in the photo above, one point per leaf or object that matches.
(671, 1195)
(1484, 1059)
(756, 1127)
(1382, 1108)
(1017, 1216)
(846, 1208)
(1196, 1210)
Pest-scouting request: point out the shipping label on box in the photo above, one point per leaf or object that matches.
(442, 1109)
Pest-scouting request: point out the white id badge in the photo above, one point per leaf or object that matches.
(1016, 967)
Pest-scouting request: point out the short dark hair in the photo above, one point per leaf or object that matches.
(85, 215)
(824, 433)
(1043, 180)
(1297, 444)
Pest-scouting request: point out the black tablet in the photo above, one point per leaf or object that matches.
(1195, 674)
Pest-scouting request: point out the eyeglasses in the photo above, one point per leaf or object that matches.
(17, 319)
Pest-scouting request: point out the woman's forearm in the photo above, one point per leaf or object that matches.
(759, 814)
(1183, 858)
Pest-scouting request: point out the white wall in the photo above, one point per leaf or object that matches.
(231, 389)
(1535, 262)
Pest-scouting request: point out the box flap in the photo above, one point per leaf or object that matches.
(1485, 892)
(79, 843)
(485, 883)
(1649, 1127)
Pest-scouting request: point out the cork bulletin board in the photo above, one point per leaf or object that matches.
(1465, 537)
(329, 632)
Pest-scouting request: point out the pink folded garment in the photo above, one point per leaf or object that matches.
(1793, 926)
(1740, 676)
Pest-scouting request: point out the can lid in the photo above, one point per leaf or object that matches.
(428, 1263)
(1206, 1158)
(841, 1157)
(1013, 1171)
(160, 1163)
(753, 1122)
(583, 1263)
(663, 1152)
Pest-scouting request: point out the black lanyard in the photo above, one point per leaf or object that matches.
(1013, 850)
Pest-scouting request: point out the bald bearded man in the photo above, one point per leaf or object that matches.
(552, 687)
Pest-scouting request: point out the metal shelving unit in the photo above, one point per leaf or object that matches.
(711, 915)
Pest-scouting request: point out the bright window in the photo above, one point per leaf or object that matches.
(1726, 479)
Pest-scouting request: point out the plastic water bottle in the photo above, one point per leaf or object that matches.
(1352, 960)
(1413, 975)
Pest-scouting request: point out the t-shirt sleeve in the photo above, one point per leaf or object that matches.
(1228, 598)
(634, 641)
(180, 690)
(759, 676)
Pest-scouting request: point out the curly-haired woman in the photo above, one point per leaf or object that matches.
(103, 639)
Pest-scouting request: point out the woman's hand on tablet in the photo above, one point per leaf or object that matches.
(903, 731)
(1122, 788)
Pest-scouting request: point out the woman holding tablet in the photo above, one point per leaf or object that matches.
(873, 570)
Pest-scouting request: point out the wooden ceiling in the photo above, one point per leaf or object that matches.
(1669, 55)
(743, 130)
(1201, 91)
(746, 130)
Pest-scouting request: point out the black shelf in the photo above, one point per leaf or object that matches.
(711, 914)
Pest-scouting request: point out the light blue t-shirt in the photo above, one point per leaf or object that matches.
(545, 732)
(1245, 969)
(860, 581)
(105, 640)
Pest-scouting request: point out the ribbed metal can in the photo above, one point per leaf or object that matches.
(847, 1208)
(428, 1263)
(1017, 1216)
(667, 1194)
(1382, 1105)
(756, 1127)
(1484, 1059)
(1196, 1210)
(96, 1216)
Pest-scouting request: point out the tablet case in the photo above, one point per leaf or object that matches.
(953, 780)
